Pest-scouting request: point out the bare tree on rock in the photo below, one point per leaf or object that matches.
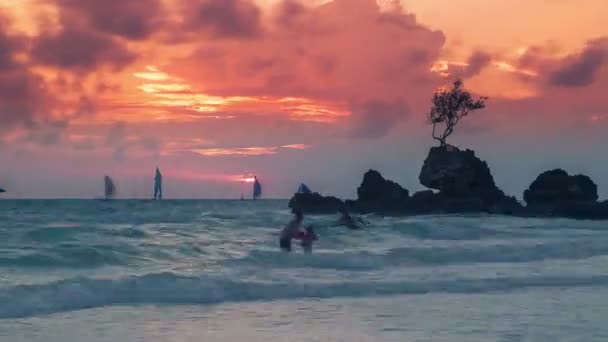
(449, 107)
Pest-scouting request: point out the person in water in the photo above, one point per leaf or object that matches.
(291, 231)
(346, 220)
(308, 237)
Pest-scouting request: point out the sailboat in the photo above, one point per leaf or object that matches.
(257, 189)
(110, 188)
(158, 185)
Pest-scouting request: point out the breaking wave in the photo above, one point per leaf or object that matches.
(168, 288)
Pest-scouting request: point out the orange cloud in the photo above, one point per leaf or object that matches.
(296, 146)
(247, 151)
(243, 151)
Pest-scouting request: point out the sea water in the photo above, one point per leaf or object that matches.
(91, 270)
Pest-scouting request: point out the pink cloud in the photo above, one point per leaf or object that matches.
(247, 151)
(345, 52)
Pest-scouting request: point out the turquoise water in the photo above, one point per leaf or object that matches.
(211, 270)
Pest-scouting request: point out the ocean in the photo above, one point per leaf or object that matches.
(211, 270)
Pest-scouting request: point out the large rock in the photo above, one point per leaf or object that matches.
(580, 210)
(377, 194)
(557, 194)
(315, 203)
(459, 174)
(557, 186)
(428, 202)
(465, 184)
(2, 190)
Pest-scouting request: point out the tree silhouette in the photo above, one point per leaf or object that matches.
(449, 107)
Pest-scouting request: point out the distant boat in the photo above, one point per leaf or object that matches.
(158, 185)
(257, 189)
(110, 188)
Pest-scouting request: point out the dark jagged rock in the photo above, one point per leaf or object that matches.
(465, 184)
(427, 202)
(459, 174)
(580, 210)
(556, 194)
(315, 203)
(377, 194)
(557, 186)
(423, 196)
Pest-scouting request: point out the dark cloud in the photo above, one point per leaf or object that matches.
(120, 139)
(85, 107)
(225, 18)
(581, 69)
(374, 119)
(404, 21)
(475, 64)
(325, 65)
(129, 19)
(22, 97)
(362, 54)
(46, 133)
(288, 12)
(81, 50)
(260, 64)
(9, 45)
(39, 110)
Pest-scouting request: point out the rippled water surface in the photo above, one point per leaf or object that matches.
(211, 270)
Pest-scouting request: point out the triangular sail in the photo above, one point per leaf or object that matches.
(158, 185)
(110, 188)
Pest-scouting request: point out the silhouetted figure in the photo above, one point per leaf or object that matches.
(346, 220)
(158, 185)
(291, 231)
(257, 189)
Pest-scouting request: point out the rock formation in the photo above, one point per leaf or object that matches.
(465, 184)
(557, 194)
(377, 194)
(458, 174)
(315, 203)
(557, 186)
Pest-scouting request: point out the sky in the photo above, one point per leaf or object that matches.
(314, 91)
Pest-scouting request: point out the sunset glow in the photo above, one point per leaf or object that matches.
(283, 86)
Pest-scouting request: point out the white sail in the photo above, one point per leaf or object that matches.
(110, 188)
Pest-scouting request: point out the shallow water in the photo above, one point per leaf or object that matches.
(211, 270)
